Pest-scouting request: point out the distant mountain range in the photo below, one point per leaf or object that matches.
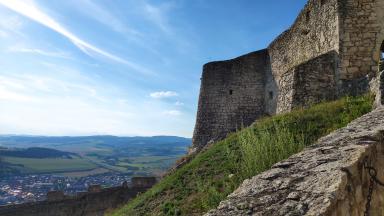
(23, 141)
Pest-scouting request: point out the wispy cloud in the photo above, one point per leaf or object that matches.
(58, 54)
(101, 15)
(172, 113)
(32, 11)
(178, 103)
(158, 16)
(8, 95)
(39, 104)
(3, 34)
(10, 25)
(163, 94)
(32, 86)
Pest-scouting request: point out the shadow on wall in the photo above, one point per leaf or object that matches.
(271, 90)
(311, 82)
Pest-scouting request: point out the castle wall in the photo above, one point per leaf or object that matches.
(331, 50)
(231, 96)
(92, 203)
(271, 91)
(318, 85)
(361, 35)
(314, 33)
(301, 89)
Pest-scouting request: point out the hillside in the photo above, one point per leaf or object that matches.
(35, 152)
(209, 177)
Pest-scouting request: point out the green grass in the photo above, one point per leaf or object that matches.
(50, 165)
(213, 174)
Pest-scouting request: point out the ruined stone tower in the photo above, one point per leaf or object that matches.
(332, 49)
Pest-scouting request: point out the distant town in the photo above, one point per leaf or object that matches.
(32, 188)
(31, 166)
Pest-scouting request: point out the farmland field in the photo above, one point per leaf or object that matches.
(82, 156)
(50, 165)
(84, 173)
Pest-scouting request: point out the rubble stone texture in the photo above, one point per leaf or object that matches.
(332, 49)
(327, 178)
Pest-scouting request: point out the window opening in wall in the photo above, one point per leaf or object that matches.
(230, 92)
(270, 95)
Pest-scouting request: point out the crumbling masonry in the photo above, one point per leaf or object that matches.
(333, 49)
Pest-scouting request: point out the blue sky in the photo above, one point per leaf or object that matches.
(121, 67)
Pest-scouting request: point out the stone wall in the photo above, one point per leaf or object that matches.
(93, 203)
(293, 54)
(332, 50)
(231, 96)
(299, 88)
(328, 178)
(315, 32)
(318, 85)
(361, 35)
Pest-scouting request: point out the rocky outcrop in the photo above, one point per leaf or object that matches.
(328, 178)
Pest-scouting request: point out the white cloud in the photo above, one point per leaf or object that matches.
(178, 103)
(10, 24)
(100, 14)
(59, 54)
(3, 34)
(32, 11)
(8, 95)
(163, 94)
(172, 112)
(157, 16)
(46, 105)
(23, 87)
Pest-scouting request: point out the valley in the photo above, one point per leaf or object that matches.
(32, 166)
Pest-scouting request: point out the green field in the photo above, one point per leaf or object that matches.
(82, 156)
(84, 173)
(142, 164)
(50, 165)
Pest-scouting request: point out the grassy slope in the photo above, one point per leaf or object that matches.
(202, 183)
